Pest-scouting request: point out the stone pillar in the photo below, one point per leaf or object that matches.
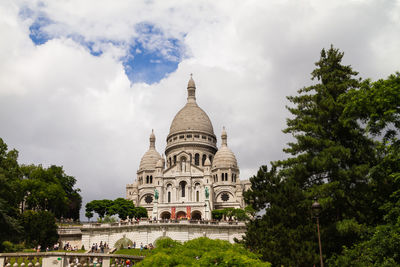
(106, 262)
(154, 213)
(54, 261)
(207, 211)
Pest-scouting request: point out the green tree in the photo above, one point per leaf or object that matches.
(10, 195)
(376, 105)
(99, 206)
(40, 228)
(50, 189)
(200, 252)
(140, 212)
(124, 208)
(330, 159)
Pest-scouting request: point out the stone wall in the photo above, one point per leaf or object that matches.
(147, 232)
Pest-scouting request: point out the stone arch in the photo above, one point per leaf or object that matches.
(165, 215)
(180, 214)
(123, 243)
(196, 215)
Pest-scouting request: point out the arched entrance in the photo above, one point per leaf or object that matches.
(181, 215)
(165, 215)
(196, 215)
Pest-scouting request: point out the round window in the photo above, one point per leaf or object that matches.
(148, 199)
(225, 197)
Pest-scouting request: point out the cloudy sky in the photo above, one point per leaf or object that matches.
(82, 83)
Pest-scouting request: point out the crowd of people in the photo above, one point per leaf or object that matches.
(99, 248)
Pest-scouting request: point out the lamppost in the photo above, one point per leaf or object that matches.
(316, 209)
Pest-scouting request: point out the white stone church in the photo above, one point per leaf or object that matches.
(195, 176)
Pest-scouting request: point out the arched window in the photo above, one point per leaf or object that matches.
(197, 196)
(197, 159)
(169, 197)
(147, 179)
(170, 162)
(183, 164)
(203, 160)
(174, 159)
(151, 179)
(216, 177)
(182, 185)
(210, 157)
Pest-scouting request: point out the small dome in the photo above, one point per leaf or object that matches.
(159, 163)
(151, 157)
(224, 158)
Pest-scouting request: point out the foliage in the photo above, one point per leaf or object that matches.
(200, 252)
(10, 247)
(50, 189)
(122, 207)
(27, 193)
(217, 214)
(232, 213)
(40, 228)
(134, 252)
(98, 206)
(107, 219)
(140, 212)
(344, 152)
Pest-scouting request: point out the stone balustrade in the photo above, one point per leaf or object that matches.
(62, 259)
(146, 222)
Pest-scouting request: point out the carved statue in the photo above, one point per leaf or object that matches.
(156, 194)
(207, 193)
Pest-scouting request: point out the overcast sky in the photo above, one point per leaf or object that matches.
(82, 83)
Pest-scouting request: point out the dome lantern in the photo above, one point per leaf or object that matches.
(152, 139)
(191, 90)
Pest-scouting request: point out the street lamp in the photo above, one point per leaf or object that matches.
(316, 209)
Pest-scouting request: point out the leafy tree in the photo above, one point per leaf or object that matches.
(89, 214)
(329, 159)
(123, 208)
(50, 189)
(200, 252)
(217, 214)
(376, 105)
(40, 228)
(99, 206)
(140, 212)
(10, 196)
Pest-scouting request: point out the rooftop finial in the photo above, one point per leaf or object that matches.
(152, 139)
(224, 137)
(191, 89)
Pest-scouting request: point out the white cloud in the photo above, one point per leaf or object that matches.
(61, 105)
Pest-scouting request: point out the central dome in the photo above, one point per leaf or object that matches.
(191, 117)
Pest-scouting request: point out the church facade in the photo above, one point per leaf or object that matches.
(195, 177)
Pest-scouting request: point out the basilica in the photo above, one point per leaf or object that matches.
(195, 177)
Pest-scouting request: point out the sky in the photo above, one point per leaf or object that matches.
(83, 83)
